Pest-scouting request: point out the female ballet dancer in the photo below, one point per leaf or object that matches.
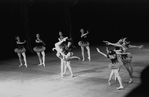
(67, 56)
(114, 66)
(40, 50)
(121, 47)
(20, 50)
(84, 44)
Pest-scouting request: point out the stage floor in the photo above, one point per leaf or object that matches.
(90, 76)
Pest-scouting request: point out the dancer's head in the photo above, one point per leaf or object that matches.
(112, 54)
(125, 41)
(60, 33)
(17, 38)
(37, 35)
(82, 31)
(120, 41)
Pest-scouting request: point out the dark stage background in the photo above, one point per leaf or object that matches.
(105, 19)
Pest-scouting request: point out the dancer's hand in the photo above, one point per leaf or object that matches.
(65, 38)
(53, 49)
(106, 42)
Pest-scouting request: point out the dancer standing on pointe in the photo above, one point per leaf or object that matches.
(114, 66)
(121, 47)
(68, 56)
(40, 50)
(65, 54)
(84, 44)
(20, 50)
(59, 53)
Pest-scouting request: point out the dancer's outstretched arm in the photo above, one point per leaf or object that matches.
(101, 52)
(58, 44)
(19, 42)
(122, 53)
(134, 46)
(84, 34)
(114, 44)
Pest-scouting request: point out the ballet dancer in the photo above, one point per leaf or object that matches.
(40, 50)
(114, 66)
(67, 57)
(59, 53)
(20, 50)
(121, 47)
(84, 44)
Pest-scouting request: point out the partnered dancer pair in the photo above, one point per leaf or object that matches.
(64, 52)
(119, 56)
(121, 47)
(39, 49)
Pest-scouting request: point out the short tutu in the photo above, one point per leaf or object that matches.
(18, 50)
(114, 65)
(39, 49)
(83, 44)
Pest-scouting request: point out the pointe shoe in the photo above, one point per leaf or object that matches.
(89, 58)
(72, 76)
(62, 75)
(39, 64)
(25, 65)
(44, 65)
(120, 88)
(109, 83)
(20, 65)
(130, 81)
(83, 59)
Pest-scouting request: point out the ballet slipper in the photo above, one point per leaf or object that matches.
(120, 88)
(109, 83)
(25, 65)
(83, 59)
(72, 76)
(89, 58)
(20, 65)
(62, 75)
(44, 65)
(39, 64)
(130, 81)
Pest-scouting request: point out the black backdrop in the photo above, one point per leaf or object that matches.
(105, 20)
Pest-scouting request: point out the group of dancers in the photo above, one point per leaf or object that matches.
(39, 49)
(119, 56)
